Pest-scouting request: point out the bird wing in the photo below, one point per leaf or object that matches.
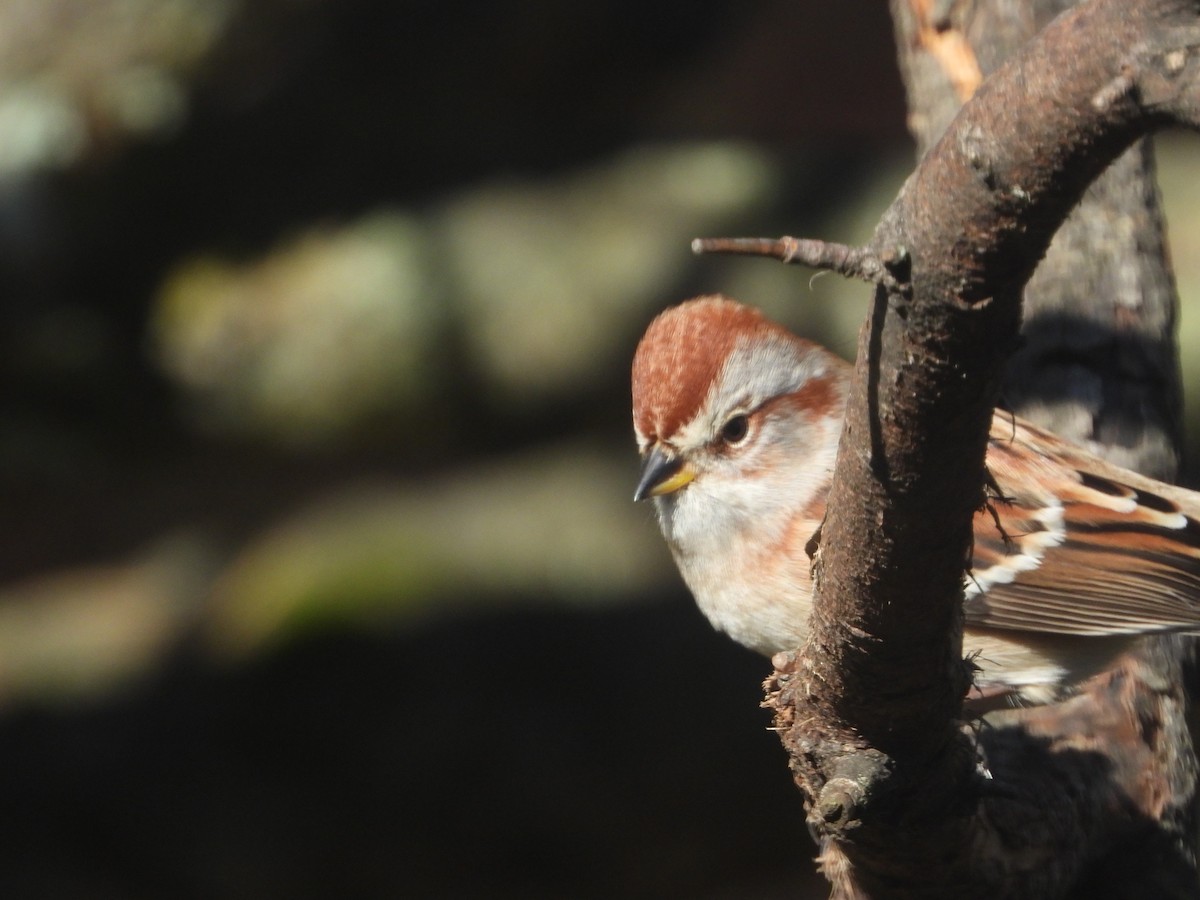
(1076, 545)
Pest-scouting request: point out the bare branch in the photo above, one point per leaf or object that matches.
(852, 262)
(869, 708)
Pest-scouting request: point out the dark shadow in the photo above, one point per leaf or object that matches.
(522, 755)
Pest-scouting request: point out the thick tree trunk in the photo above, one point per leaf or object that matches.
(909, 803)
(1098, 365)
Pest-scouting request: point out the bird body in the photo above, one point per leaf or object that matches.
(738, 421)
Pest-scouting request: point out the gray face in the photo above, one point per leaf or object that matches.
(762, 440)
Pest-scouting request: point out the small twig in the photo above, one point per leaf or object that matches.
(851, 262)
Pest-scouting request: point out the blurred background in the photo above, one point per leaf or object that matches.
(320, 574)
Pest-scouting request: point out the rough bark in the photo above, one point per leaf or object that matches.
(1098, 364)
(907, 801)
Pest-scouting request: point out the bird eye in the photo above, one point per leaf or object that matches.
(735, 430)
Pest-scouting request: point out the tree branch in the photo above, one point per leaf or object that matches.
(869, 709)
(851, 262)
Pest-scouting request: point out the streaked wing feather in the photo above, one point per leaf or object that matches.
(1082, 546)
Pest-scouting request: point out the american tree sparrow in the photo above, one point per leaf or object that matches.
(737, 421)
